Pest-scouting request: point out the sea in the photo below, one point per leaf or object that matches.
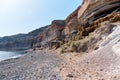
(7, 55)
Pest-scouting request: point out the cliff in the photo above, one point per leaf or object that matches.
(82, 25)
(41, 37)
(19, 41)
(70, 33)
(52, 34)
(92, 10)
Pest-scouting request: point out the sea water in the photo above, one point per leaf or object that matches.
(7, 55)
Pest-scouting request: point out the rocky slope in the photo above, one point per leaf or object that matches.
(72, 31)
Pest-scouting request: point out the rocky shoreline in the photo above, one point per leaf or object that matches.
(38, 65)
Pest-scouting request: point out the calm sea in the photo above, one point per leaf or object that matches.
(6, 55)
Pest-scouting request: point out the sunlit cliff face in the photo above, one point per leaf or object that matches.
(92, 10)
(84, 6)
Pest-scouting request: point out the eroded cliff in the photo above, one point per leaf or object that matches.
(73, 33)
(81, 25)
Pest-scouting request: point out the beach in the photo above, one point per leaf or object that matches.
(32, 66)
(50, 65)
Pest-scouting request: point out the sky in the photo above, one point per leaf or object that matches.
(23, 16)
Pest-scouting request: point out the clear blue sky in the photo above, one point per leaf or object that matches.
(22, 16)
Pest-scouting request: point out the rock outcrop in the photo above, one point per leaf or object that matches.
(52, 34)
(71, 22)
(42, 37)
(85, 20)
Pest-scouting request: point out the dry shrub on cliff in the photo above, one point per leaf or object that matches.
(63, 49)
(69, 43)
(79, 46)
(73, 46)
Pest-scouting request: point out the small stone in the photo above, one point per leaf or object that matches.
(70, 75)
(115, 76)
(101, 69)
(54, 75)
(87, 62)
(90, 76)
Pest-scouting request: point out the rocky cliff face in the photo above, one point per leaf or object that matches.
(90, 16)
(92, 10)
(74, 32)
(50, 35)
(42, 37)
(71, 22)
(19, 41)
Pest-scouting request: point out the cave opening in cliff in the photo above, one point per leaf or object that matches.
(107, 12)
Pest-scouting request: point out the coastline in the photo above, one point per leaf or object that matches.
(37, 65)
(51, 65)
(4, 55)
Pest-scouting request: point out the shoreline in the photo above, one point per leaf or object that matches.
(37, 65)
(18, 54)
(50, 65)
